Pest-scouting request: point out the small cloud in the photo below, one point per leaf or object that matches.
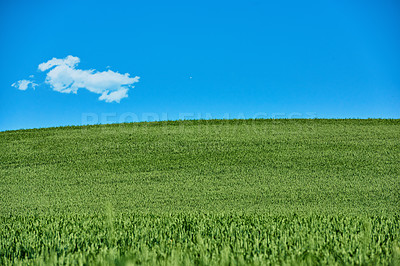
(114, 96)
(69, 61)
(63, 76)
(24, 84)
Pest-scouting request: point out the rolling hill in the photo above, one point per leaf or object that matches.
(219, 191)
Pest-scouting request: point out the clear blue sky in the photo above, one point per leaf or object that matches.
(325, 59)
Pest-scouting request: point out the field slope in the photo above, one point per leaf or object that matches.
(204, 192)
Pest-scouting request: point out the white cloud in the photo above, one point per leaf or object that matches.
(114, 96)
(23, 84)
(63, 76)
(70, 61)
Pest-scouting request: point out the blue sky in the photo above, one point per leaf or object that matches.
(199, 59)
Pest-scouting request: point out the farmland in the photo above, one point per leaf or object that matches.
(202, 192)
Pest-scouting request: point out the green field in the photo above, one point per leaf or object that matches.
(202, 192)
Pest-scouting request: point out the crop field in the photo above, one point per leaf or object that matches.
(207, 192)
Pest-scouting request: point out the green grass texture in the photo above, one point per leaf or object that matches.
(203, 192)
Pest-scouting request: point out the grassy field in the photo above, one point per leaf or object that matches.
(202, 192)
